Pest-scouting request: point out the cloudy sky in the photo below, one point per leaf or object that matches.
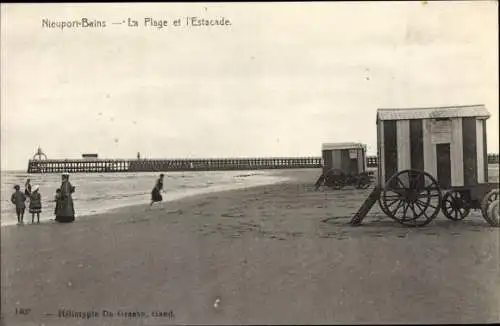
(282, 79)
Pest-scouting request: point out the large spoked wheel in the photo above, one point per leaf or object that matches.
(491, 215)
(454, 206)
(412, 198)
(382, 207)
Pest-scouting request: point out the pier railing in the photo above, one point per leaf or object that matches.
(153, 165)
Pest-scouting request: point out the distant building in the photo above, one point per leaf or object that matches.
(39, 155)
(89, 156)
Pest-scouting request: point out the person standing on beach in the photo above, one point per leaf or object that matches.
(156, 192)
(56, 200)
(35, 205)
(19, 199)
(27, 188)
(65, 212)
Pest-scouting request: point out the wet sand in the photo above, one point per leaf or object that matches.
(272, 254)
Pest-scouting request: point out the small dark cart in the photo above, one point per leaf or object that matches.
(344, 164)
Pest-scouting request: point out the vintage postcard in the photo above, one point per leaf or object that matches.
(249, 163)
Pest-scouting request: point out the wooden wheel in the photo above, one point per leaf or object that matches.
(493, 214)
(382, 207)
(363, 186)
(337, 185)
(412, 198)
(363, 181)
(490, 198)
(454, 206)
(335, 179)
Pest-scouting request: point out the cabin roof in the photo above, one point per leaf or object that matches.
(458, 111)
(334, 146)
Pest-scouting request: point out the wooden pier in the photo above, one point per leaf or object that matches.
(166, 165)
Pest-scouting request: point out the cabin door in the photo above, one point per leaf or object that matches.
(353, 161)
(443, 156)
(441, 138)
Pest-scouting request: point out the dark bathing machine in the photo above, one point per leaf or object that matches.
(432, 160)
(344, 164)
(349, 158)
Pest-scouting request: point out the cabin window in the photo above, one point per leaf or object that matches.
(442, 119)
(440, 130)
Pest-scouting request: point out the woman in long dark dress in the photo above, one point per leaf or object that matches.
(65, 211)
(156, 192)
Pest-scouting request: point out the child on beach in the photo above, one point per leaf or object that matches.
(56, 200)
(19, 199)
(35, 205)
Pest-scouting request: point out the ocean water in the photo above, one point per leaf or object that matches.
(98, 193)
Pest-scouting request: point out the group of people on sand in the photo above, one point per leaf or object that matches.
(64, 208)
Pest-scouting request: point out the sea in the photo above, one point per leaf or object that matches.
(98, 193)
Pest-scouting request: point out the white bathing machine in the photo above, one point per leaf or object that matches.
(449, 143)
(431, 160)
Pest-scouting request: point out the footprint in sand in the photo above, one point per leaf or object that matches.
(430, 233)
(232, 215)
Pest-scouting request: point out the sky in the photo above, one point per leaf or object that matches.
(281, 80)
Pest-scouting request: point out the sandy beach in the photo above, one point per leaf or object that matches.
(273, 254)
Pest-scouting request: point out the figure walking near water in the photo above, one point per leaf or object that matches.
(19, 199)
(35, 205)
(65, 211)
(156, 192)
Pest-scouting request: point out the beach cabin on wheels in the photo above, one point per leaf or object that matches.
(449, 143)
(343, 164)
(349, 158)
(432, 160)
